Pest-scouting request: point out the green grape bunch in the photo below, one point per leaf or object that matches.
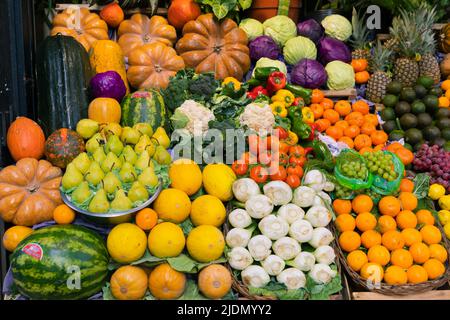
(354, 169)
(381, 164)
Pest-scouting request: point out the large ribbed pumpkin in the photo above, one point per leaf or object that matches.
(25, 139)
(445, 38)
(63, 146)
(212, 46)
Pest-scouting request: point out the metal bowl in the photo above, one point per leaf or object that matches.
(111, 218)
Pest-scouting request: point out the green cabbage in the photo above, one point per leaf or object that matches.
(252, 27)
(299, 48)
(340, 75)
(266, 62)
(280, 29)
(337, 26)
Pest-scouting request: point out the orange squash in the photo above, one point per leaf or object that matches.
(129, 283)
(166, 283)
(29, 192)
(86, 27)
(141, 30)
(182, 11)
(105, 110)
(212, 46)
(25, 139)
(214, 281)
(152, 65)
(445, 38)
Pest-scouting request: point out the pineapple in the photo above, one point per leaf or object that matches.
(376, 87)
(360, 37)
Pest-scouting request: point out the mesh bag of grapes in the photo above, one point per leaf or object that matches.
(351, 170)
(387, 170)
(341, 192)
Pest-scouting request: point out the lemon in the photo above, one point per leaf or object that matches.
(186, 175)
(166, 240)
(444, 202)
(173, 205)
(436, 191)
(126, 243)
(205, 243)
(447, 230)
(208, 210)
(218, 181)
(444, 216)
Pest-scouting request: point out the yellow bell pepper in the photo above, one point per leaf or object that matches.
(292, 138)
(236, 83)
(284, 96)
(308, 115)
(279, 109)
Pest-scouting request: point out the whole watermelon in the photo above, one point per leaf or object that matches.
(144, 107)
(60, 262)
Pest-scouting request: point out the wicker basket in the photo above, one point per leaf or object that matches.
(400, 290)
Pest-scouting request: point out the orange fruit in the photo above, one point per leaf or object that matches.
(349, 241)
(420, 252)
(417, 274)
(445, 85)
(362, 203)
(370, 238)
(317, 110)
(406, 219)
(378, 137)
(447, 94)
(355, 118)
(331, 115)
(438, 252)
(379, 147)
(368, 128)
(406, 185)
(386, 223)
(345, 222)
(444, 102)
(401, 258)
(342, 123)
(63, 214)
(362, 141)
(335, 132)
(431, 234)
(327, 103)
(366, 221)
(146, 219)
(425, 217)
(395, 275)
(434, 268)
(392, 240)
(362, 77)
(361, 106)
(411, 236)
(343, 107)
(394, 146)
(389, 206)
(408, 200)
(14, 235)
(351, 131)
(359, 65)
(317, 96)
(348, 141)
(342, 206)
(379, 254)
(405, 155)
(373, 272)
(371, 118)
(365, 150)
(356, 260)
(323, 124)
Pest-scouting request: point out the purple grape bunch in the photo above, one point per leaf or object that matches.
(435, 161)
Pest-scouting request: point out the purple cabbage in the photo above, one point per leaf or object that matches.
(309, 74)
(331, 49)
(310, 29)
(263, 47)
(108, 84)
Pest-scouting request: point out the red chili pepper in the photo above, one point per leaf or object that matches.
(314, 128)
(256, 91)
(308, 150)
(299, 102)
(276, 81)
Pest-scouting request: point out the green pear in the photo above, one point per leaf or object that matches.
(143, 143)
(87, 128)
(148, 177)
(111, 183)
(128, 155)
(114, 145)
(81, 193)
(162, 137)
(138, 192)
(127, 173)
(162, 156)
(82, 162)
(144, 128)
(94, 143)
(72, 178)
(130, 135)
(95, 174)
(112, 128)
(111, 162)
(121, 202)
(99, 203)
(143, 161)
(99, 155)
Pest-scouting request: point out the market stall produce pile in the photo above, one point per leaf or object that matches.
(219, 165)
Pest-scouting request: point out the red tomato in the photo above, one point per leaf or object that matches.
(259, 174)
(281, 132)
(299, 160)
(283, 158)
(293, 181)
(284, 147)
(239, 168)
(279, 174)
(295, 169)
(265, 157)
(296, 151)
(253, 142)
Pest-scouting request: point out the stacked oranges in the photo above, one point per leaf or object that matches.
(350, 123)
(399, 245)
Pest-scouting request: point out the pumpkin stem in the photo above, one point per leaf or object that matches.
(158, 68)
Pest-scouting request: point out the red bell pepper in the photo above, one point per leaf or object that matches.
(299, 102)
(256, 91)
(276, 81)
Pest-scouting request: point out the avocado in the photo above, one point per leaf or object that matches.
(443, 113)
(420, 90)
(413, 136)
(431, 132)
(388, 114)
(418, 107)
(389, 126)
(436, 91)
(425, 81)
(432, 103)
(396, 135)
(390, 100)
(439, 141)
(408, 120)
(446, 133)
(424, 120)
(443, 123)
(395, 87)
(408, 94)
(402, 107)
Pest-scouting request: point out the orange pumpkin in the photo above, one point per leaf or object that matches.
(182, 11)
(214, 281)
(86, 27)
(129, 283)
(141, 30)
(445, 38)
(166, 283)
(105, 110)
(152, 65)
(212, 46)
(25, 139)
(29, 192)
